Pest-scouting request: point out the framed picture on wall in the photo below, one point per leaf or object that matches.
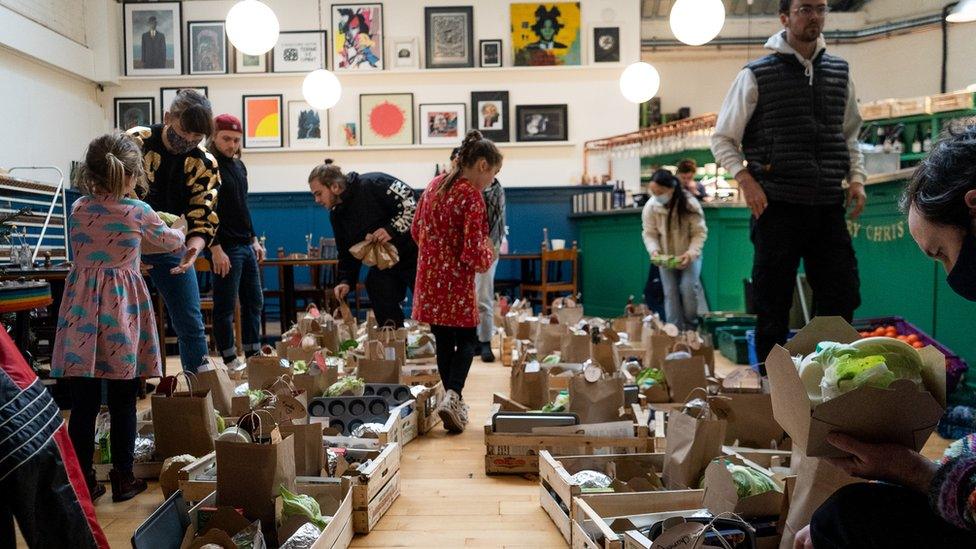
(308, 127)
(358, 36)
(207, 42)
(166, 96)
(403, 53)
(299, 51)
(349, 134)
(262, 121)
(152, 38)
(442, 123)
(541, 123)
(449, 37)
(134, 111)
(244, 63)
(606, 44)
(545, 34)
(489, 114)
(491, 53)
(386, 118)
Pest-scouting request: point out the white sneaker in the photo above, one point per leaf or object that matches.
(452, 413)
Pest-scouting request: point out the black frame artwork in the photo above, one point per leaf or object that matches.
(151, 101)
(502, 135)
(521, 130)
(609, 54)
(481, 52)
(177, 8)
(189, 50)
(430, 61)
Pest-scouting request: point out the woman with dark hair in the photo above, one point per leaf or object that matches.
(920, 503)
(674, 225)
(451, 229)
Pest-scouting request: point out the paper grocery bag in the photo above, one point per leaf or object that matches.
(391, 349)
(309, 449)
(576, 349)
(550, 339)
(528, 329)
(597, 401)
(633, 326)
(683, 376)
(346, 323)
(251, 473)
(379, 371)
(691, 444)
(221, 388)
(749, 419)
(529, 388)
(603, 355)
(816, 480)
(262, 371)
(319, 378)
(184, 423)
(568, 316)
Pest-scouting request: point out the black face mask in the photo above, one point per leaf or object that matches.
(176, 142)
(962, 277)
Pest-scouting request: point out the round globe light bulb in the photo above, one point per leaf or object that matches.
(321, 89)
(696, 22)
(640, 82)
(252, 27)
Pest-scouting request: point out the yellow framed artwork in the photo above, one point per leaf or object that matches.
(546, 33)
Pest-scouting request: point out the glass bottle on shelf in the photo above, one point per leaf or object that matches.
(916, 141)
(26, 263)
(927, 140)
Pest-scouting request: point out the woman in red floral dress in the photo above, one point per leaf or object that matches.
(451, 229)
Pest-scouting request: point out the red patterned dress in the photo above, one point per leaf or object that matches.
(451, 230)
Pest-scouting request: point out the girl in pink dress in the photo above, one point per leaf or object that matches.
(106, 327)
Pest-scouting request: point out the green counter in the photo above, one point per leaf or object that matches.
(897, 279)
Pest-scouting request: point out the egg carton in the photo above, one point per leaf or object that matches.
(348, 413)
(394, 394)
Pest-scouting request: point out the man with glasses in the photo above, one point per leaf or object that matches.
(788, 133)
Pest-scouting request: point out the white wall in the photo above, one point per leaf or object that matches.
(596, 107)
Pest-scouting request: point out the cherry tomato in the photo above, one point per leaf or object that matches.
(911, 338)
(918, 344)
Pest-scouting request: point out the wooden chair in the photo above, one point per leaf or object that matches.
(202, 265)
(550, 282)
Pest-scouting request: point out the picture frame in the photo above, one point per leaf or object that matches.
(134, 111)
(348, 134)
(490, 53)
(605, 45)
(167, 94)
(542, 122)
(299, 51)
(152, 38)
(403, 53)
(308, 127)
(386, 119)
(545, 33)
(449, 37)
(358, 40)
(442, 123)
(493, 123)
(263, 127)
(249, 64)
(207, 46)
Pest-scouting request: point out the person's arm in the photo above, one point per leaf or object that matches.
(737, 109)
(649, 231)
(398, 198)
(857, 175)
(202, 177)
(157, 234)
(476, 247)
(699, 233)
(953, 492)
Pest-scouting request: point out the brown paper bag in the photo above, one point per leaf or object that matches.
(690, 445)
(550, 339)
(576, 349)
(630, 325)
(528, 329)
(598, 401)
(379, 371)
(749, 418)
(568, 316)
(346, 323)
(683, 376)
(221, 388)
(816, 480)
(184, 423)
(314, 384)
(263, 370)
(309, 450)
(529, 389)
(385, 348)
(603, 355)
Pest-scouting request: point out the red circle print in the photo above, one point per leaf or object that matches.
(386, 119)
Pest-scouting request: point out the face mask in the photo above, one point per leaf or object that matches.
(962, 278)
(663, 199)
(176, 142)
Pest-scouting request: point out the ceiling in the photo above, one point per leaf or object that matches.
(653, 9)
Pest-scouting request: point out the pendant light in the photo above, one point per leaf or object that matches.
(252, 27)
(696, 22)
(962, 12)
(640, 82)
(321, 89)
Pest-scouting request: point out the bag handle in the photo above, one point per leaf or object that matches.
(682, 345)
(189, 377)
(258, 423)
(284, 379)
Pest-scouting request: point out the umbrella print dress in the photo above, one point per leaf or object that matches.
(106, 327)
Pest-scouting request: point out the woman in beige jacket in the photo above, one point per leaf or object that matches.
(674, 224)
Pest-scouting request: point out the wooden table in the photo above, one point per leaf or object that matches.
(287, 268)
(527, 261)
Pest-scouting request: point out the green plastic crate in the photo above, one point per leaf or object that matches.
(733, 344)
(711, 322)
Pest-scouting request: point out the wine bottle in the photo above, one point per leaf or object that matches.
(927, 141)
(916, 142)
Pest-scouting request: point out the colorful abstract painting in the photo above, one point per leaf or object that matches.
(358, 32)
(546, 33)
(386, 119)
(262, 121)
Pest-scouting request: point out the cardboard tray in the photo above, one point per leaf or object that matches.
(596, 525)
(427, 403)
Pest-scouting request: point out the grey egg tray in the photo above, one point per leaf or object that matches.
(394, 394)
(347, 413)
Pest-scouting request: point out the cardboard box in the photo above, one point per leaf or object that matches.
(558, 489)
(602, 519)
(721, 495)
(427, 403)
(901, 414)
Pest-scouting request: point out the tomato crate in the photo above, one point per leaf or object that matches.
(956, 366)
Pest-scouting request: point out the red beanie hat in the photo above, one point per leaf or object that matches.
(227, 122)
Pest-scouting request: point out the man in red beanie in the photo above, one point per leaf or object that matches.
(236, 251)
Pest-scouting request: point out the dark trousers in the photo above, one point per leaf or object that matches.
(86, 401)
(242, 282)
(782, 236)
(654, 292)
(455, 351)
(387, 289)
(883, 516)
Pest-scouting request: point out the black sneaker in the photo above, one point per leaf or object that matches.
(486, 353)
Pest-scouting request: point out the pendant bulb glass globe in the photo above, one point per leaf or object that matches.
(252, 27)
(696, 22)
(963, 12)
(640, 82)
(321, 89)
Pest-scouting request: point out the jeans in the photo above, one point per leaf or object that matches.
(181, 294)
(869, 515)
(86, 401)
(387, 289)
(243, 282)
(455, 351)
(484, 284)
(681, 290)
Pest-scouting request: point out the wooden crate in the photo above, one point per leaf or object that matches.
(427, 403)
(401, 427)
(557, 489)
(953, 101)
(508, 352)
(147, 470)
(595, 514)
(518, 453)
(420, 373)
(198, 479)
(909, 106)
(341, 536)
(876, 110)
(375, 488)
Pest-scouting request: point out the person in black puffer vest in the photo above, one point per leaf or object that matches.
(375, 204)
(794, 114)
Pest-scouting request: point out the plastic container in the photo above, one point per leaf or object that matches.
(751, 341)
(732, 343)
(710, 322)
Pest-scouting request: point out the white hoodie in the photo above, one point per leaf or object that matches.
(741, 101)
